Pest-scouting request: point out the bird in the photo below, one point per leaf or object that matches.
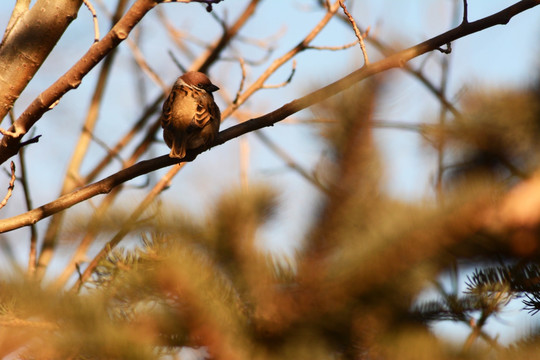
(190, 117)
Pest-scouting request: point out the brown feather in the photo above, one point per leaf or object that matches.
(190, 117)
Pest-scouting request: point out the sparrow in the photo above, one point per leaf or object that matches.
(190, 117)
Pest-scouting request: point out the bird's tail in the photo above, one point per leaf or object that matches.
(178, 148)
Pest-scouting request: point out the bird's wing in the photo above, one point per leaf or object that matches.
(167, 109)
(206, 109)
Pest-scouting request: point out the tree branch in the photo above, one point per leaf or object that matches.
(212, 53)
(73, 77)
(29, 38)
(393, 61)
(101, 187)
(10, 187)
(356, 31)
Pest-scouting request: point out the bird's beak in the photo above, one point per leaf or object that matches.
(211, 88)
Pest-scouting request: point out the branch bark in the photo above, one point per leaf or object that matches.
(72, 78)
(30, 37)
(396, 60)
(101, 187)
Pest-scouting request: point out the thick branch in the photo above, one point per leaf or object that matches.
(72, 78)
(21, 7)
(101, 187)
(143, 167)
(28, 40)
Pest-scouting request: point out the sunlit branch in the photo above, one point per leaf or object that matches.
(333, 48)
(94, 19)
(394, 61)
(356, 31)
(259, 83)
(286, 82)
(242, 81)
(73, 77)
(10, 187)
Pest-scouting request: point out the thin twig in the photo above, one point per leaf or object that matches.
(32, 253)
(265, 42)
(465, 12)
(286, 82)
(268, 53)
(276, 64)
(145, 67)
(220, 21)
(440, 141)
(207, 2)
(94, 17)
(356, 31)
(177, 62)
(113, 154)
(211, 54)
(175, 35)
(242, 81)
(10, 187)
(33, 140)
(289, 161)
(398, 125)
(333, 48)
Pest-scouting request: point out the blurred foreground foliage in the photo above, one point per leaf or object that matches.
(351, 291)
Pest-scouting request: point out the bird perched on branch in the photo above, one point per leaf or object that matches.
(190, 117)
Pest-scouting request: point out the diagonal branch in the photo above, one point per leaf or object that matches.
(356, 31)
(101, 187)
(290, 162)
(10, 187)
(30, 36)
(393, 61)
(73, 77)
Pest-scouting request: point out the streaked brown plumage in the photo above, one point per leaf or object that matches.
(190, 117)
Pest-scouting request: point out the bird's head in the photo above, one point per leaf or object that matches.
(199, 80)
